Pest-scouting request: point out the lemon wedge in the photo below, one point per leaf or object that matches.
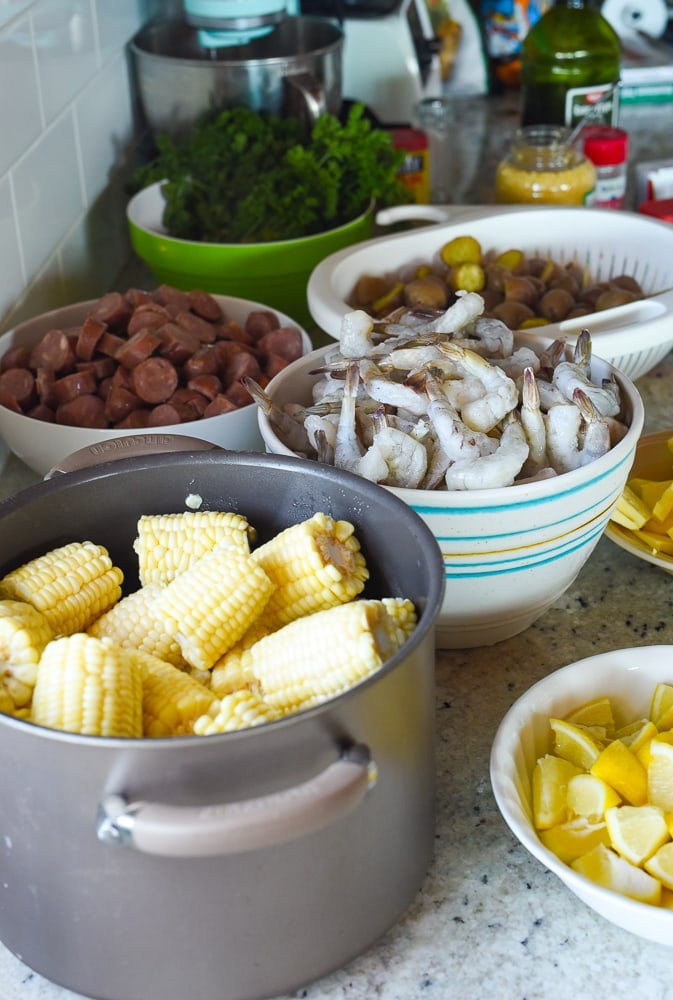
(636, 832)
(575, 743)
(621, 769)
(572, 839)
(593, 713)
(660, 865)
(590, 797)
(550, 781)
(660, 774)
(607, 868)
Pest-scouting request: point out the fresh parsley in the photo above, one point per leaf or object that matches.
(249, 177)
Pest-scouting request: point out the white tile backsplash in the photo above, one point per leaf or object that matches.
(66, 54)
(68, 133)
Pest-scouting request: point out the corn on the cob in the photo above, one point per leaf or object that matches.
(317, 657)
(172, 699)
(168, 544)
(315, 564)
(403, 616)
(90, 686)
(239, 710)
(24, 632)
(209, 606)
(71, 585)
(229, 674)
(134, 624)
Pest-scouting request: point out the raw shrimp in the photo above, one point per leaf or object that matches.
(499, 396)
(389, 392)
(500, 468)
(523, 357)
(576, 433)
(569, 376)
(394, 457)
(356, 330)
(290, 430)
(438, 463)
(326, 425)
(533, 422)
(489, 337)
(456, 439)
(348, 449)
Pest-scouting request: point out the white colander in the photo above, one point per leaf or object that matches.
(632, 337)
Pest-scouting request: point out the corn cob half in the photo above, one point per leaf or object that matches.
(71, 585)
(24, 633)
(133, 623)
(89, 686)
(239, 710)
(209, 606)
(314, 565)
(319, 656)
(172, 699)
(168, 544)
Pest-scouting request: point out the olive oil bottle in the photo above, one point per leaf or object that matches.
(570, 64)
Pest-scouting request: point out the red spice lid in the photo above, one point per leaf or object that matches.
(604, 145)
(409, 138)
(660, 208)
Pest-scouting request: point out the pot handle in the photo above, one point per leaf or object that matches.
(234, 827)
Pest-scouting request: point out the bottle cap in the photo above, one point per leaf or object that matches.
(604, 145)
(412, 139)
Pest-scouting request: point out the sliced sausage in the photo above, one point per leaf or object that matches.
(120, 402)
(44, 383)
(19, 383)
(110, 343)
(154, 380)
(174, 299)
(204, 305)
(163, 414)
(148, 316)
(188, 401)
(83, 411)
(205, 332)
(261, 321)
(205, 361)
(138, 348)
(137, 297)
(285, 340)
(87, 341)
(243, 365)
(15, 357)
(41, 412)
(177, 344)
(209, 386)
(238, 395)
(135, 420)
(112, 309)
(234, 331)
(101, 367)
(76, 384)
(54, 351)
(219, 405)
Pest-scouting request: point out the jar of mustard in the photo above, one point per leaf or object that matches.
(541, 167)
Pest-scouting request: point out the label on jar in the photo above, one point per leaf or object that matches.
(610, 191)
(597, 101)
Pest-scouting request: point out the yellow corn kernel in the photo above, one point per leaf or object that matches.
(314, 565)
(239, 710)
(71, 585)
(89, 686)
(319, 656)
(209, 606)
(168, 544)
(134, 624)
(404, 618)
(172, 699)
(24, 632)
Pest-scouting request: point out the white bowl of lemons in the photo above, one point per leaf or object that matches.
(582, 772)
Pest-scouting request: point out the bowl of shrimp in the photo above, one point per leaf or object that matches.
(512, 448)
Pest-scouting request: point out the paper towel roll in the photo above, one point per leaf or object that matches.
(628, 16)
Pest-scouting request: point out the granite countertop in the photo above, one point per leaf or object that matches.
(489, 919)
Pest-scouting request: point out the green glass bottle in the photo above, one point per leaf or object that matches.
(570, 60)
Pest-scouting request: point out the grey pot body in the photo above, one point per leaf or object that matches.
(296, 70)
(117, 924)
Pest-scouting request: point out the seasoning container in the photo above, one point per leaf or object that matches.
(658, 208)
(543, 168)
(607, 148)
(436, 118)
(414, 172)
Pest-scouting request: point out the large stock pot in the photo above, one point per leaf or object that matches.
(225, 867)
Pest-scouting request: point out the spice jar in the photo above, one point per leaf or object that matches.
(541, 167)
(607, 148)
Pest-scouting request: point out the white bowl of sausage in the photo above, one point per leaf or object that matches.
(183, 344)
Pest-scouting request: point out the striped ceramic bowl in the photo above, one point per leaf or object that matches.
(509, 553)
